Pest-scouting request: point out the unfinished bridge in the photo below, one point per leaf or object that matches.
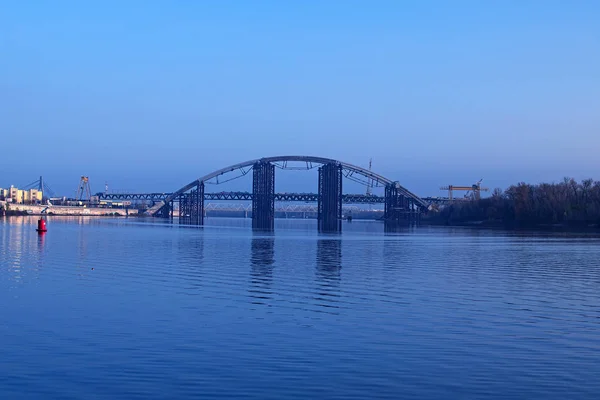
(400, 205)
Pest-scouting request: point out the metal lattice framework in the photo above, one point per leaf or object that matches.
(330, 200)
(227, 207)
(263, 196)
(191, 207)
(305, 208)
(349, 171)
(399, 208)
(247, 196)
(133, 196)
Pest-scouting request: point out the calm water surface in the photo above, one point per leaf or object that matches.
(117, 309)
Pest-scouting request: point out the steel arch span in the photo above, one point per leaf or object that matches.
(350, 171)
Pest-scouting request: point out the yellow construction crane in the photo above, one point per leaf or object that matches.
(476, 189)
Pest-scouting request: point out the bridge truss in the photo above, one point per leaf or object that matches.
(245, 196)
(279, 197)
(401, 205)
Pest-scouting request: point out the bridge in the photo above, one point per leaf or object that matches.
(247, 196)
(400, 205)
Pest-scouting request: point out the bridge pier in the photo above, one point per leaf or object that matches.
(166, 211)
(184, 208)
(263, 196)
(330, 198)
(400, 209)
(191, 206)
(196, 205)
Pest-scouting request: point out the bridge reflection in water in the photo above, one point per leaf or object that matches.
(400, 205)
(262, 258)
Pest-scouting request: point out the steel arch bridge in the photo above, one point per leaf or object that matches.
(400, 203)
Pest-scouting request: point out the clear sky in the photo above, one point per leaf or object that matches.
(149, 95)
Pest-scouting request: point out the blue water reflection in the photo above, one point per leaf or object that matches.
(129, 309)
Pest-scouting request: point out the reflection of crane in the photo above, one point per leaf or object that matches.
(476, 189)
(83, 191)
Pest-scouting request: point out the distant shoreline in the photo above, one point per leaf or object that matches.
(512, 226)
(38, 210)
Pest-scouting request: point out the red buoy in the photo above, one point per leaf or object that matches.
(41, 226)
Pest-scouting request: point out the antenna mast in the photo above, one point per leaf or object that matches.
(370, 181)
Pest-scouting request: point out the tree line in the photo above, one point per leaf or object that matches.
(566, 203)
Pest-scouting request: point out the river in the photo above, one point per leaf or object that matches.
(130, 309)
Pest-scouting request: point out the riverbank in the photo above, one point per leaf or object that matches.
(440, 220)
(25, 209)
(565, 205)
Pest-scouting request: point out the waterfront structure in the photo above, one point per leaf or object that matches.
(21, 196)
(400, 205)
(247, 196)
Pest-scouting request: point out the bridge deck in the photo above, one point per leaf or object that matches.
(247, 196)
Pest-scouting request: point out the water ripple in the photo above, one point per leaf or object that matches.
(111, 309)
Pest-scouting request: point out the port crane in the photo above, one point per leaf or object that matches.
(476, 189)
(83, 190)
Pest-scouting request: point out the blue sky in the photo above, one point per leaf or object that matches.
(148, 95)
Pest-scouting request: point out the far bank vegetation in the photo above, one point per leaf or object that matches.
(568, 203)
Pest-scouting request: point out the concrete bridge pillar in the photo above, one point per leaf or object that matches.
(330, 198)
(263, 196)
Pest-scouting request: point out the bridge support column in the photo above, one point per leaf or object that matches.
(163, 212)
(184, 208)
(263, 196)
(330, 198)
(191, 206)
(166, 211)
(198, 205)
(400, 209)
(394, 206)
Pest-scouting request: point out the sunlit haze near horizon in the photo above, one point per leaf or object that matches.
(149, 95)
